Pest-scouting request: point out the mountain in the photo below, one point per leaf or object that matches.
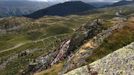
(62, 9)
(122, 2)
(18, 8)
(100, 4)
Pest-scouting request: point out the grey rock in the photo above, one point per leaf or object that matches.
(120, 62)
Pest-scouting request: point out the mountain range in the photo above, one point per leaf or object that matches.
(19, 8)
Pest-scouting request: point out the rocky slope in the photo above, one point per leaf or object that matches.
(79, 58)
(120, 62)
(67, 47)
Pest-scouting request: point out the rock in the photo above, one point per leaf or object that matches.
(85, 32)
(120, 62)
(79, 58)
(80, 71)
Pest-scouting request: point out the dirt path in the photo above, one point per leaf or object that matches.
(21, 44)
(16, 46)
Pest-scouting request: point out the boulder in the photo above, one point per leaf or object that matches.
(120, 62)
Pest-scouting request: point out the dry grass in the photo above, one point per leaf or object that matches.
(117, 40)
(52, 71)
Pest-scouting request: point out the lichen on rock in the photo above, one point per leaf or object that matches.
(120, 62)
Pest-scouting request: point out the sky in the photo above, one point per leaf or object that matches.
(78, 0)
(66, 0)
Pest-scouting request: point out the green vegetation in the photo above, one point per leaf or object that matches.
(39, 36)
(118, 40)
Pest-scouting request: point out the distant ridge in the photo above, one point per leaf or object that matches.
(62, 9)
(122, 2)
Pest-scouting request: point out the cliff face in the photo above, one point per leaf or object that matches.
(120, 62)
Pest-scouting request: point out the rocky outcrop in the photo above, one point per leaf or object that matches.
(83, 33)
(61, 54)
(79, 58)
(120, 62)
(41, 63)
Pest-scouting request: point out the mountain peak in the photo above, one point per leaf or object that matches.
(62, 9)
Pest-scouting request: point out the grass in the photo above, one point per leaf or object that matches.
(118, 40)
(52, 71)
(55, 30)
(15, 65)
(32, 31)
(8, 41)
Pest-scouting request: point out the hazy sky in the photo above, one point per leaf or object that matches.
(79, 0)
(65, 0)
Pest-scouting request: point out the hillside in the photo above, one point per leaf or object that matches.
(110, 39)
(62, 9)
(23, 39)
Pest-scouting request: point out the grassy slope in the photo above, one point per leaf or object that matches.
(118, 40)
(52, 29)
